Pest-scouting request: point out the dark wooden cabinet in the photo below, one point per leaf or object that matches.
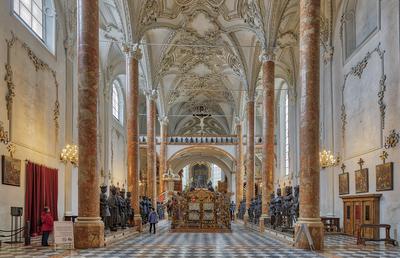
(358, 210)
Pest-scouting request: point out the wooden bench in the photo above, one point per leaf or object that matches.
(361, 239)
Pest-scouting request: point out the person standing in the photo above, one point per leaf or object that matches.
(232, 209)
(47, 225)
(153, 219)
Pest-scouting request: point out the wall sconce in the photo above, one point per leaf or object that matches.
(326, 159)
(70, 153)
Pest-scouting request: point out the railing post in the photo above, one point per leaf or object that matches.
(27, 233)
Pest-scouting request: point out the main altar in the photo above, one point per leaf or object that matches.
(200, 210)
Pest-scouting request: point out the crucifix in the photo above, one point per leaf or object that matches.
(384, 156)
(361, 163)
(201, 117)
(343, 167)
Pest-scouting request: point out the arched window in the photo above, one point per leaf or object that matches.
(286, 130)
(39, 17)
(117, 101)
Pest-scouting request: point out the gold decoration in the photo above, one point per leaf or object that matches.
(392, 140)
(3, 135)
(70, 153)
(384, 156)
(11, 148)
(326, 159)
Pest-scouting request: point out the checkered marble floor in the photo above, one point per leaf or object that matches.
(240, 243)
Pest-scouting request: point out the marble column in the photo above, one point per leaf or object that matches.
(239, 164)
(133, 55)
(151, 146)
(250, 165)
(309, 125)
(163, 152)
(268, 150)
(88, 229)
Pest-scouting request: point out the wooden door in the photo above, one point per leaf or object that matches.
(348, 218)
(368, 218)
(358, 216)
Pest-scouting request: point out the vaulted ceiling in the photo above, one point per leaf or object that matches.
(201, 55)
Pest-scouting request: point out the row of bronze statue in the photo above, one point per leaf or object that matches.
(116, 210)
(283, 210)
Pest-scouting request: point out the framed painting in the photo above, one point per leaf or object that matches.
(11, 171)
(384, 177)
(362, 185)
(343, 183)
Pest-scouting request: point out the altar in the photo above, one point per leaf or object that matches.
(201, 210)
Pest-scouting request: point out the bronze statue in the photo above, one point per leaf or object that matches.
(113, 204)
(104, 209)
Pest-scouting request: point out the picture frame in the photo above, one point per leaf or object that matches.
(11, 171)
(384, 177)
(344, 184)
(361, 181)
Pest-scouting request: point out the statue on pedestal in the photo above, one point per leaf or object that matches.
(294, 211)
(113, 204)
(257, 209)
(287, 207)
(277, 201)
(129, 210)
(104, 209)
(209, 186)
(122, 208)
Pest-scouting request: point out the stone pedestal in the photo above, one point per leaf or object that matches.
(137, 219)
(261, 223)
(88, 233)
(317, 232)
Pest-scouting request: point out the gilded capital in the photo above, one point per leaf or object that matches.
(132, 51)
(267, 55)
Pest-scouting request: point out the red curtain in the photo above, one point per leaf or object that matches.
(41, 190)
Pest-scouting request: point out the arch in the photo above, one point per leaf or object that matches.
(192, 149)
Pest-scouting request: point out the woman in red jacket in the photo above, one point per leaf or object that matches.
(47, 225)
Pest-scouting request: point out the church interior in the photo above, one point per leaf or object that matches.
(237, 128)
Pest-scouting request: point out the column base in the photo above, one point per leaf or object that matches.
(316, 229)
(88, 233)
(261, 222)
(138, 222)
(246, 219)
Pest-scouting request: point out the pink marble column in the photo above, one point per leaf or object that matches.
(250, 152)
(268, 147)
(309, 124)
(163, 152)
(151, 147)
(239, 164)
(133, 55)
(88, 229)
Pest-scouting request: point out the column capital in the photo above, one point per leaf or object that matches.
(267, 55)
(238, 121)
(163, 120)
(250, 97)
(151, 94)
(132, 51)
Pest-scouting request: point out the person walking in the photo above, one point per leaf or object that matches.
(47, 225)
(153, 219)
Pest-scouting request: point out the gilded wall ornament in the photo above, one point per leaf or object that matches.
(3, 134)
(39, 65)
(357, 71)
(392, 139)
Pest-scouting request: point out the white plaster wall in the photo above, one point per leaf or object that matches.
(44, 152)
(363, 137)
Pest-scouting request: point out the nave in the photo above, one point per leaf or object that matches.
(242, 242)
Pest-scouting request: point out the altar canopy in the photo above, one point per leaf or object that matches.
(201, 210)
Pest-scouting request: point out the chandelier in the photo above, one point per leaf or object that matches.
(326, 159)
(70, 153)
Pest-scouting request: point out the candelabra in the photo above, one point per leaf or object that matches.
(70, 153)
(327, 159)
